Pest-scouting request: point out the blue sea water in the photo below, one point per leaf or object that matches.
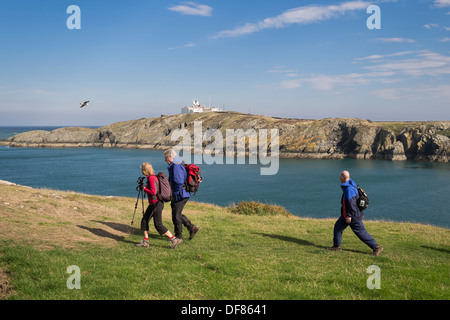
(399, 191)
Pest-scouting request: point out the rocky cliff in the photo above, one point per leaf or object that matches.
(327, 138)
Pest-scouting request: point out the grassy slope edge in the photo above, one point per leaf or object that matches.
(43, 232)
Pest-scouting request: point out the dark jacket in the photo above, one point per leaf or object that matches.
(349, 206)
(177, 177)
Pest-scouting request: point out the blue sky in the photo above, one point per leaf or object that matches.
(304, 59)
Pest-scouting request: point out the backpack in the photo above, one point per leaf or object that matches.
(193, 177)
(363, 200)
(164, 190)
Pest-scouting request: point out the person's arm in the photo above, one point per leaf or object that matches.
(351, 208)
(179, 176)
(152, 186)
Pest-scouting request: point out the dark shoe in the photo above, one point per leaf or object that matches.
(377, 251)
(175, 242)
(193, 232)
(335, 248)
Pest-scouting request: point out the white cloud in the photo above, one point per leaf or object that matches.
(447, 39)
(424, 63)
(379, 57)
(431, 26)
(193, 9)
(381, 70)
(187, 45)
(441, 92)
(396, 40)
(323, 82)
(300, 15)
(442, 3)
(290, 84)
(280, 70)
(330, 82)
(41, 91)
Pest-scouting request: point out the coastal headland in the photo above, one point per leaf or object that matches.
(329, 138)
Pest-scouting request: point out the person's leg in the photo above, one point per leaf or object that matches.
(162, 230)
(186, 222)
(145, 226)
(339, 228)
(361, 232)
(157, 219)
(176, 218)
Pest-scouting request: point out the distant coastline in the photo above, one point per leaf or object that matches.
(330, 138)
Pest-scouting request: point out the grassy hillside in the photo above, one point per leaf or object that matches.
(234, 256)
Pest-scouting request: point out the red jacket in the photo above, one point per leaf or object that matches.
(152, 189)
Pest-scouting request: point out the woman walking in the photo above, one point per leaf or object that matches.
(154, 209)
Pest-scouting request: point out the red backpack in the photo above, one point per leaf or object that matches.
(193, 177)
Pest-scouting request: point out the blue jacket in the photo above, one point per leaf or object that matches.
(177, 177)
(349, 206)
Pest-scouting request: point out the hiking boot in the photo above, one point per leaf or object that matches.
(193, 232)
(175, 242)
(377, 250)
(143, 243)
(335, 248)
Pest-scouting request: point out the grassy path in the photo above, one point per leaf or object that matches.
(233, 257)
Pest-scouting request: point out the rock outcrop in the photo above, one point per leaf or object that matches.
(332, 138)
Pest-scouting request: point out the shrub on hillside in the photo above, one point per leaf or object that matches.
(259, 209)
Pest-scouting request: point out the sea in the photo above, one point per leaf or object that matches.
(404, 191)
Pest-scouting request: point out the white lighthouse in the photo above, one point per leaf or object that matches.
(197, 107)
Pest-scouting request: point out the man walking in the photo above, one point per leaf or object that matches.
(351, 216)
(177, 177)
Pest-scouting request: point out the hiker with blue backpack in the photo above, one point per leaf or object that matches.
(180, 194)
(155, 208)
(352, 216)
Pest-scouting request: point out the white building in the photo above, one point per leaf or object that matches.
(197, 107)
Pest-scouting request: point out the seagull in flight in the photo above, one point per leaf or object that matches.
(86, 103)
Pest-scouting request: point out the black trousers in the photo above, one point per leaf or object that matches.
(156, 209)
(179, 219)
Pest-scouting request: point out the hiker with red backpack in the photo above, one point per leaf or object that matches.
(155, 208)
(180, 194)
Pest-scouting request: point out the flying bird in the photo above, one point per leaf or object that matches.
(86, 103)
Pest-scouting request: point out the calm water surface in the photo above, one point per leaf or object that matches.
(399, 191)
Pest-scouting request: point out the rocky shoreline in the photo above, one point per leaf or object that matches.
(331, 138)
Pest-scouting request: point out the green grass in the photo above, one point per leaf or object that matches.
(233, 256)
